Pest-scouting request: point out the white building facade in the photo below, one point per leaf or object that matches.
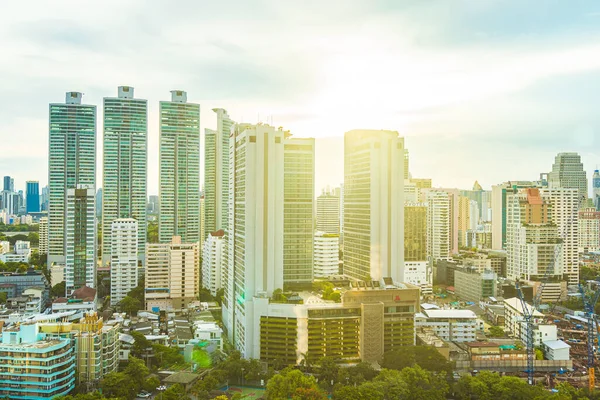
(213, 258)
(123, 258)
(327, 254)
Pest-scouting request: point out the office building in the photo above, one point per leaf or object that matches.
(589, 230)
(44, 198)
(99, 203)
(567, 172)
(216, 174)
(80, 235)
(179, 169)
(271, 220)
(473, 285)
(328, 212)
(442, 223)
(327, 254)
(33, 197)
(213, 260)
(9, 184)
(123, 258)
(172, 274)
(373, 205)
(43, 233)
(564, 209)
(498, 205)
(71, 162)
(153, 205)
(37, 366)
(124, 188)
(369, 321)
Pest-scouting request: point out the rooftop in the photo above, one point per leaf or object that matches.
(183, 378)
(459, 314)
(556, 344)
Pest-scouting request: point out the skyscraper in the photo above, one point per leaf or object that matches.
(45, 197)
(567, 172)
(33, 197)
(124, 190)
(124, 258)
(80, 238)
(416, 269)
(328, 212)
(272, 175)
(179, 169)
(9, 184)
(216, 173)
(373, 205)
(596, 189)
(71, 162)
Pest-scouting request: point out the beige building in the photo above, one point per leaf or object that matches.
(442, 223)
(589, 230)
(43, 232)
(172, 274)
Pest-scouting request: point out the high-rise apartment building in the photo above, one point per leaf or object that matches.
(415, 232)
(202, 220)
(71, 162)
(124, 247)
(589, 230)
(442, 223)
(567, 172)
(326, 254)
(373, 205)
(498, 209)
(564, 208)
(172, 274)
(533, 243)
(124, 189)
(328, 212)
(179, 169)
(80, 238)
(213, 261)
(420, 184)
(33, 197)
(216, 173)
(271, 220)
(43, 233)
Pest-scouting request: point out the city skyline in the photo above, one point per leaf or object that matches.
(504, 88)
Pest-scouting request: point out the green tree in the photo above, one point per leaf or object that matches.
(137, 371)
(496, 332)
(3, 297)
(328, 371)
(59, 290)
(140, 345)
(151, 384)
(539, 354)
(138, 292)
(424, 385)
(392, 384)
(82, 396)
(167, 356)
(34, 238)
(118, 384)
(285, 384)
(174, 392)
(426, 357)
(311, 393)
(152, 232)
(130, 305)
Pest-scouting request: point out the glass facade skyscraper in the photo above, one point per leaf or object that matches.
(71, 162)
(179, 169)
(124, 188)
(33, 197)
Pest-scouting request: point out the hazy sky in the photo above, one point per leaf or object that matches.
(486, 90)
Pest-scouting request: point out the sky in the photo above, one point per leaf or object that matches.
(481, 90)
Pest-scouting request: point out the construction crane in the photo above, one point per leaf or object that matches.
(528, 312)
(589, 307)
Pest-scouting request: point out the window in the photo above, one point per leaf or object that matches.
(252, 139)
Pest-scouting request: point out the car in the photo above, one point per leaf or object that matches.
(161, 388)
(143, 395)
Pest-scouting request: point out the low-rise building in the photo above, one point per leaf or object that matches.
(23, 281)
(449, 325)
(82, 301)
(418, 273)
(556, 350)
(514, 323)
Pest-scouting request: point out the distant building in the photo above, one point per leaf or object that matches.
(596, 189)
(80, 223)
(328, 213)
(72, 162)
(33, 197)
(326, 254)
(373, 204)
(19, 282)
(514, 326)
(213, 261)
(43, 234)
(57, 274)
(172, 274)
(179, 169)
(472, 285)
(567, 172)
(21, 253)
(442, 223)
(125, 150)
(123, 258)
